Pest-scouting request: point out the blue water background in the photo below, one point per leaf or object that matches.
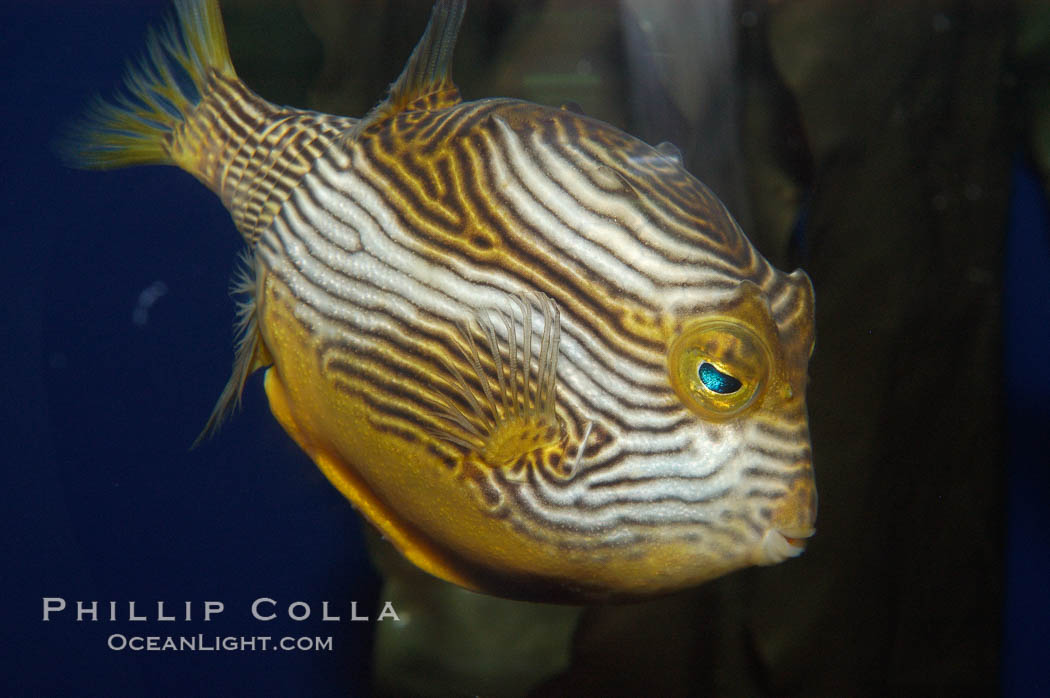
(103, 498)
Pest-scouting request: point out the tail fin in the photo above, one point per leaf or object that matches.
(161, 91)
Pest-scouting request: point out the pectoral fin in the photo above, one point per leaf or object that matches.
(503, 406)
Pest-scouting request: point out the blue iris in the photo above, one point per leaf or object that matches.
(716, 381)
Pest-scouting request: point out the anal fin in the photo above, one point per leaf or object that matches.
(251, 353)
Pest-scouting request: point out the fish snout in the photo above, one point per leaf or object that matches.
(792, 521)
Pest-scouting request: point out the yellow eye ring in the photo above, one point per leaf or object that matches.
(719, 368)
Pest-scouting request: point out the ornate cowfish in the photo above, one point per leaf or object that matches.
(534, 352)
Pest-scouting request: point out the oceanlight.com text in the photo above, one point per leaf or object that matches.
(217, 643)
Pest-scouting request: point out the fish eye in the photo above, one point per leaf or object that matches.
(719, 368)
(715, 380)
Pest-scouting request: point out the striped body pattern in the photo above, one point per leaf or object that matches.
(532, 350)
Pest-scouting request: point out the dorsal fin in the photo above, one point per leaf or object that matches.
(426, 81)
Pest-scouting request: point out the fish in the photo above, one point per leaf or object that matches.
(535, 353)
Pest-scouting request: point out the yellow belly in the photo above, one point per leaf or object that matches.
(425, 508)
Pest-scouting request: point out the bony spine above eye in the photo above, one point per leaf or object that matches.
(719, 368)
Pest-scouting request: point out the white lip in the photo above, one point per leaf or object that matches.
(776, 547)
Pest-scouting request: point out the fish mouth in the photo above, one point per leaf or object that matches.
(779, 544)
